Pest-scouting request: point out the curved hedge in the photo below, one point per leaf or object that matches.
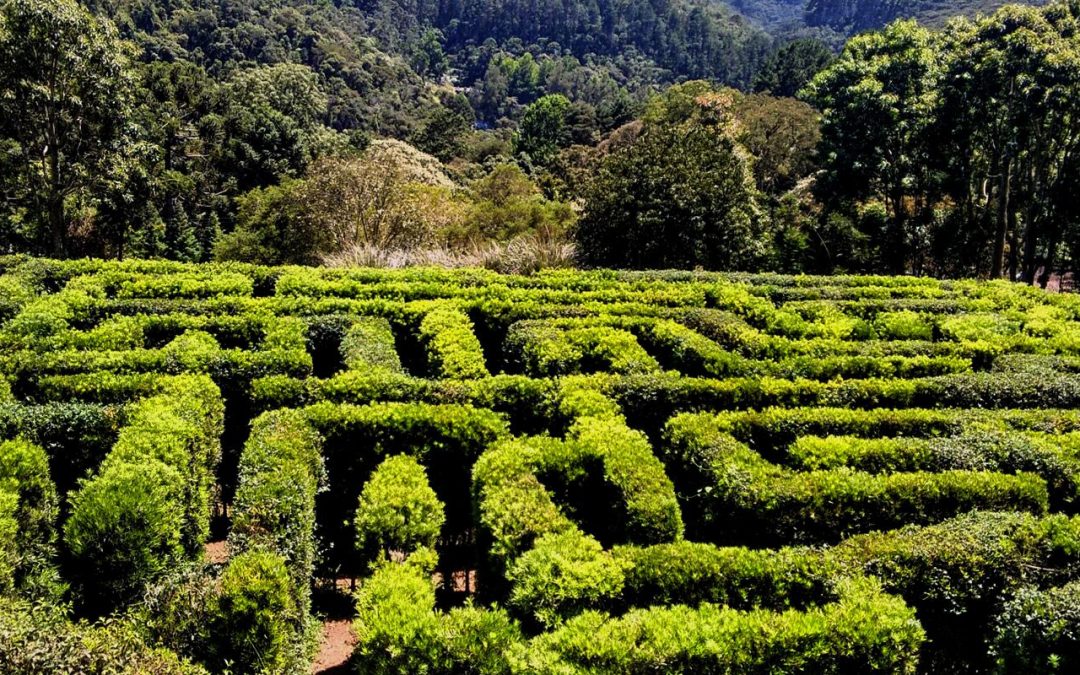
(740, 497)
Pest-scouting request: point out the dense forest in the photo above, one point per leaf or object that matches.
(642, 133)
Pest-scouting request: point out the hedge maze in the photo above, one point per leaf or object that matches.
(573, 472)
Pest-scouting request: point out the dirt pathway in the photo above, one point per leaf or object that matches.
(336, 648)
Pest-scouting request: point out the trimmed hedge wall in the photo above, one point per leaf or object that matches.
(740, 497)
(865, 631)
(149, 504)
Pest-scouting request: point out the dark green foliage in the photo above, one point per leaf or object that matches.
(789, 67)
(41, 639)
(255, 618)
(672, 198)
(959, 574)
(1037, 631)
(124, 530)
(856, 16)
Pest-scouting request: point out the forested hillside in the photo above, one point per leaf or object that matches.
(623, 134)
(855, 16)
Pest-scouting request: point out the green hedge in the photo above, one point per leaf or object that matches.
(75, 436)
(368, 345)
(10, 549)
(865, 631)
(1039, 632)
(255, 620)
(453, 350)
(398, 510)
(740, 497)
(399, 631)
(1053, 457)
(281, 469)
(126, 528)
(609, 481)
(562, 575)
(37, 638)
(958, 574)
(445, 439)
(690, 573)
(24, 472)
(150, 500)
(545, 349)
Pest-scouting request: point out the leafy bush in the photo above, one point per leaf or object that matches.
(10, 551)
(562, 575)
(959, 573)
(398, 630)
(274, 510)
(255, 617)
(453, 350)
(125, 528)
(24, 471)
(368, 345)
(398, 510)
(1039, 631)
(41, 639)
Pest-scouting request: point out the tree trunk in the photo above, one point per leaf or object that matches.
(55, 204)
(998, 266)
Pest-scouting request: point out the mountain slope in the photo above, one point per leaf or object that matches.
(854, 16)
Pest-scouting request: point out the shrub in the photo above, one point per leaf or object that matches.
(255, 618)
(398, 630)
(691, 353)
(181, 428)
(453, 350)
(274, 510)
(10, 551)
(689, 573)
(562, 575)
(545, 349)
(398, 510)
(743, 498)
(125, 528)
(1039, 631)
(37, 638)
(903, 325)
(866, 631)
(368, 345)
(959, 573)
(24, 471)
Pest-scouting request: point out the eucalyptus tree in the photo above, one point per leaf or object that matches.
(877, 102)
(66, 99)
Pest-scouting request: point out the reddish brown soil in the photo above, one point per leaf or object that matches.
(337, 647)
(217, 552)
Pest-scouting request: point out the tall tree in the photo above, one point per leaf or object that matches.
(1009, 106)
(680, 194)
(877, 102)
(66, 95)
